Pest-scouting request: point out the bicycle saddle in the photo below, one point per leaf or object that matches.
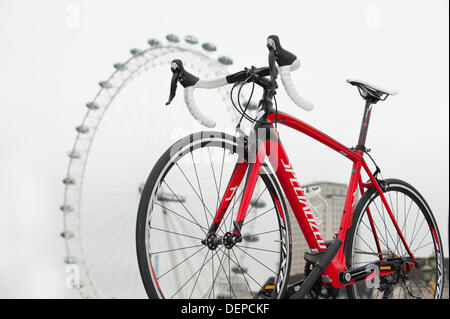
(367, 90)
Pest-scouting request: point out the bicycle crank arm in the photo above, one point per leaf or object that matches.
(380, 268)
(325, 258)
(293, 288)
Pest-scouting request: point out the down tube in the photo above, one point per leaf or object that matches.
(292, 189)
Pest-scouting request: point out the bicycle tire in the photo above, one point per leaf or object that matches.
(426, 279)
(168, 161)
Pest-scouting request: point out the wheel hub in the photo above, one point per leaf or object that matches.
(229, 239)
(212, 241)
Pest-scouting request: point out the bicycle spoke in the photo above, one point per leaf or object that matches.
(243, 272)
(396, 219)
(362, 252)
(231, 221)
(260, 249)
(179, 215)
(379, 233)
(212, 273)
(220, 179)
(199, 187)
(415, 224)
(180, 263)
(229, 271)
(227, 277)
(202, 228)
(224, 220)
(423, 246)
(236, 199)
(199, 273)
(217, 272)
(255, 259)
(175, 233)
(368, 246)
(416, 234)
(198, 196)
(214, 177)
(385, 228)
(190, 278)
(248, 221)
(175, 249)
(263, 233)
(423, 238)
(407, 218)
(251, 208)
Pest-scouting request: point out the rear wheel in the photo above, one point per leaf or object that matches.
(415, 219)
(177, 206)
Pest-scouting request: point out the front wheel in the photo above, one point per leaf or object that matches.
(373, 237)
(177, 207)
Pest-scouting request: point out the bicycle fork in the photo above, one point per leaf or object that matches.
(252, 167)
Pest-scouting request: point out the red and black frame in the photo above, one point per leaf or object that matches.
(264, 142)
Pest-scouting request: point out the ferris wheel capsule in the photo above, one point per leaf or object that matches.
(153, 42)
(225, 60)
(118, 66)
(208, 46)
(67, 234)
(105, 84)
(191, 39)
(92, 106)
(68, 181)
(73, 154)
(135, 51)
(70, 260)
(173, 38)
(66, 208)
(82, 129)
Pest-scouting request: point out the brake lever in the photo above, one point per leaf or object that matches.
(173, 87)
(185, 78)
(272, 67)
(175, 68)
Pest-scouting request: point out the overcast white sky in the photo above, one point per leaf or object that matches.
(48, 71)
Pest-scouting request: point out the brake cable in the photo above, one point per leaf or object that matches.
(242, 110)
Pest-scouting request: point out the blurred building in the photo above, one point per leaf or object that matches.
(329, 215)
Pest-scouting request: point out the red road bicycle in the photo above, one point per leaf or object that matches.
(213, 220)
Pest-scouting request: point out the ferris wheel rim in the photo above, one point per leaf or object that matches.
(68, 233)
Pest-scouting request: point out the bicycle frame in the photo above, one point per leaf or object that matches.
(269, 146)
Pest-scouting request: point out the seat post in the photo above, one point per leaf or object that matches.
(365, 123)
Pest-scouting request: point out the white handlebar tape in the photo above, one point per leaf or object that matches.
(295, 65)
(211, 84)
(285, 74)
(193, 109)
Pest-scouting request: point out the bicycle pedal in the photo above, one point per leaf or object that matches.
(266, 292)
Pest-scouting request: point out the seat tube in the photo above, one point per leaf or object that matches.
(365, 124)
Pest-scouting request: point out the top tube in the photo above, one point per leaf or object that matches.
(314, 133)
